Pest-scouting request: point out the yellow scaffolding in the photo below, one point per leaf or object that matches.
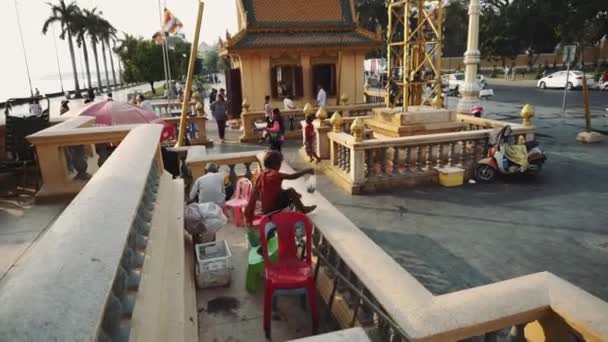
(414, 51)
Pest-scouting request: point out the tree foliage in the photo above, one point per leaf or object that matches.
(143, 60)
(511, 27)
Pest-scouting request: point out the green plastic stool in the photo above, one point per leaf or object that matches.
(255, 265)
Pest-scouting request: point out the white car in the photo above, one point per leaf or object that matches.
(455, 82)
(558, 80)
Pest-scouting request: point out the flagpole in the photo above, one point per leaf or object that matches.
(163, 47)
(27, 66)
(191, 65)
(57, 56)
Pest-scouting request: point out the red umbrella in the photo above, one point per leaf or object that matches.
(113, 113)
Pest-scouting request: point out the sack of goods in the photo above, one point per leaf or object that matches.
(204, 218)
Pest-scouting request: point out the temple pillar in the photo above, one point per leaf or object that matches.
(470, 93)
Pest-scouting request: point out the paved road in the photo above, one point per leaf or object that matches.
(452, 239)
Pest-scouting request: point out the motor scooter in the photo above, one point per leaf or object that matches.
(505, 157)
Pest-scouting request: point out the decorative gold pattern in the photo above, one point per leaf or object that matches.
(321, 114)
(527, 113)
(357, 128)
(336, 122)
(308, 109)
(344, 99)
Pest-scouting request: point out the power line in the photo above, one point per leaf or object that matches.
(27, 66)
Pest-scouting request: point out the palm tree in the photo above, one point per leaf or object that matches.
(94, 32)
(107, 31)
(66, 16)
(81, 29)
(109, 34)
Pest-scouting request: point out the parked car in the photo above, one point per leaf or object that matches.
(455, 82)
(561, 79)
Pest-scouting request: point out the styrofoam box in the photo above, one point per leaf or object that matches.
(214, 264)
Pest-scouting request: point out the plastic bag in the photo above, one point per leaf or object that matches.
(311, 184)
(204, 218)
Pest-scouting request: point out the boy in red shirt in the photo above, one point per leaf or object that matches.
(269, 191)
(309, 138)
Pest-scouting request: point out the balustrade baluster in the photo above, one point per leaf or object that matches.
(384, 161)
(366, 315)
(332, 296)
(407, 160)
(473, 151)
(418, 158)
(428, 156)
(439, 155)
(347, 160)
(369, 159)
(395, 161)
(451, 154)
(248, 173)
(232, 175)
(463, 151)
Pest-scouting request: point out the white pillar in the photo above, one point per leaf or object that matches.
(470, 91)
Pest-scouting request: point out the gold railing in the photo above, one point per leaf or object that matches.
(292, 119)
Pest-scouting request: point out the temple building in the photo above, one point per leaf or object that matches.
(287, 47)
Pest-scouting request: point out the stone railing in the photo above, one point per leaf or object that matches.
(379, 164)
(293, 118)
(241, 164)
(51, 145)
(375, 95)
(50, 149)
(93, 275)
(172, 108)
(197, 132)
(357, 280)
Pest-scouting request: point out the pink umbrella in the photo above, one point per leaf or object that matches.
(113, 113)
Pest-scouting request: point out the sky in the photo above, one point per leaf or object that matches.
(136, 17)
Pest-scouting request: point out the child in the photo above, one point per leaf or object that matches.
(269, 191)
(309, 138)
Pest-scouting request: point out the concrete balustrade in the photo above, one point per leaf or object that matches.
(199, 135)
(83, 281)
(197, 161)
(550, 308)
(292, 119)
(378, 164)
(50, 144)
(171, 108)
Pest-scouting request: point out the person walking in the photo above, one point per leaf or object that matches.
(276, 131)
(321, 96)
(309, 139)
(507, 71)
(218, 110)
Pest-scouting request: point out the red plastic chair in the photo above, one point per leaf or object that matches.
(239, 200)
(289, 272)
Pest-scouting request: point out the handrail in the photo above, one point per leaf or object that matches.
(458, 315)
(73, 285)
